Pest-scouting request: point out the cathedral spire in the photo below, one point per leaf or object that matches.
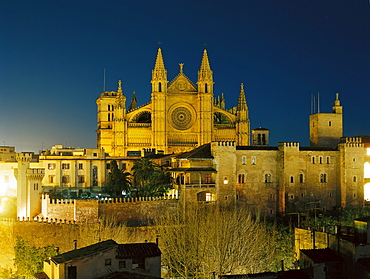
(159, 74)
(133, 101)
(242, 102)
(205, 72)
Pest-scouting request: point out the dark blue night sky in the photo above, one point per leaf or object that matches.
(53, 55)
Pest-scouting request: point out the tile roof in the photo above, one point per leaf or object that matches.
(132, 250)
(84, 252)
(201, 152)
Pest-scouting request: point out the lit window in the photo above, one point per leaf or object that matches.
(253, 160)
(51, 166)
(243, 160)
(65, 166)
(207, 178)
(367, 170)
(226, 180)
(367, 192)
(208, 197)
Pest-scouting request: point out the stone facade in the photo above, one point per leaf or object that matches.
(179, 117)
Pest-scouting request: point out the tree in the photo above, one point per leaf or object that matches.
(150, 179)
(206, 240)
(29, 259)
(118, 180)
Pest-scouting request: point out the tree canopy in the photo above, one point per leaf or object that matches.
(118, 180)
(150, 179)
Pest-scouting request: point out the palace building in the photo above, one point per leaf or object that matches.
(212, 154)
(180, 116)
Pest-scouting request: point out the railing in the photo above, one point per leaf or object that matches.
(200, 185)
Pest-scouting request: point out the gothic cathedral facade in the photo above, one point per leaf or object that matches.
(180, 116)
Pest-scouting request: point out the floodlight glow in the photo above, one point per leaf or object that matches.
(367, 192)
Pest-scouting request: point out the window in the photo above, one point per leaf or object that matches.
(253, 160)
(354, 159)
(329, 123)
(108, 116)
(291, 197)
(80, 166)
(313, 160)
(330, 194)
(328, 160)
(243, 160)
(267, 178)
(112, 107)
(207, 178)
(35, 186)
(241, 178)
(138, 262)
(208, 197)
(108, 107)
(81, 179)
(354, 179)
(302, 195)
(95, 175)
(206, 88)
(122, 264)
(51, 166)
(65, 179)
(65, 166)
(320, 160)
(108, 262)
(300, 178)
(108, 166)
(159, 87)
(292, 179)
(51, 178)
(323, 178)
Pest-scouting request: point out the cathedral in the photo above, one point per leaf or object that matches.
(180, 116)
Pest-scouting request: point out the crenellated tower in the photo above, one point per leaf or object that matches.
(159, 94)
(205, 98)
(242, 120)
(326, 129)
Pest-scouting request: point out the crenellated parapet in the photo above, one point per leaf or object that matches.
(226, 143)
(352, 141)
(24, 157)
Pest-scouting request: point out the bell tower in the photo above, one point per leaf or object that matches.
(159, 100)
(205, 98)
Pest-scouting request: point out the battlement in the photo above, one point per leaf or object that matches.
(24, 156)
(352, 141)
(225, 143)
(289, 144)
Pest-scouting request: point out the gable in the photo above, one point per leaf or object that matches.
(181, 83)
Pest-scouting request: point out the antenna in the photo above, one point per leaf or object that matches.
(318, 102)
(104, 81)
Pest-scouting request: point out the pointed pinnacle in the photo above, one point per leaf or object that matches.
(242, 102)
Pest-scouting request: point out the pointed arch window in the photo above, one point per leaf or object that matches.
(112, 107)
(267, 178)
(206, 88)
(159, 87)
(108, 107)
(300, 178)
(108, 116)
